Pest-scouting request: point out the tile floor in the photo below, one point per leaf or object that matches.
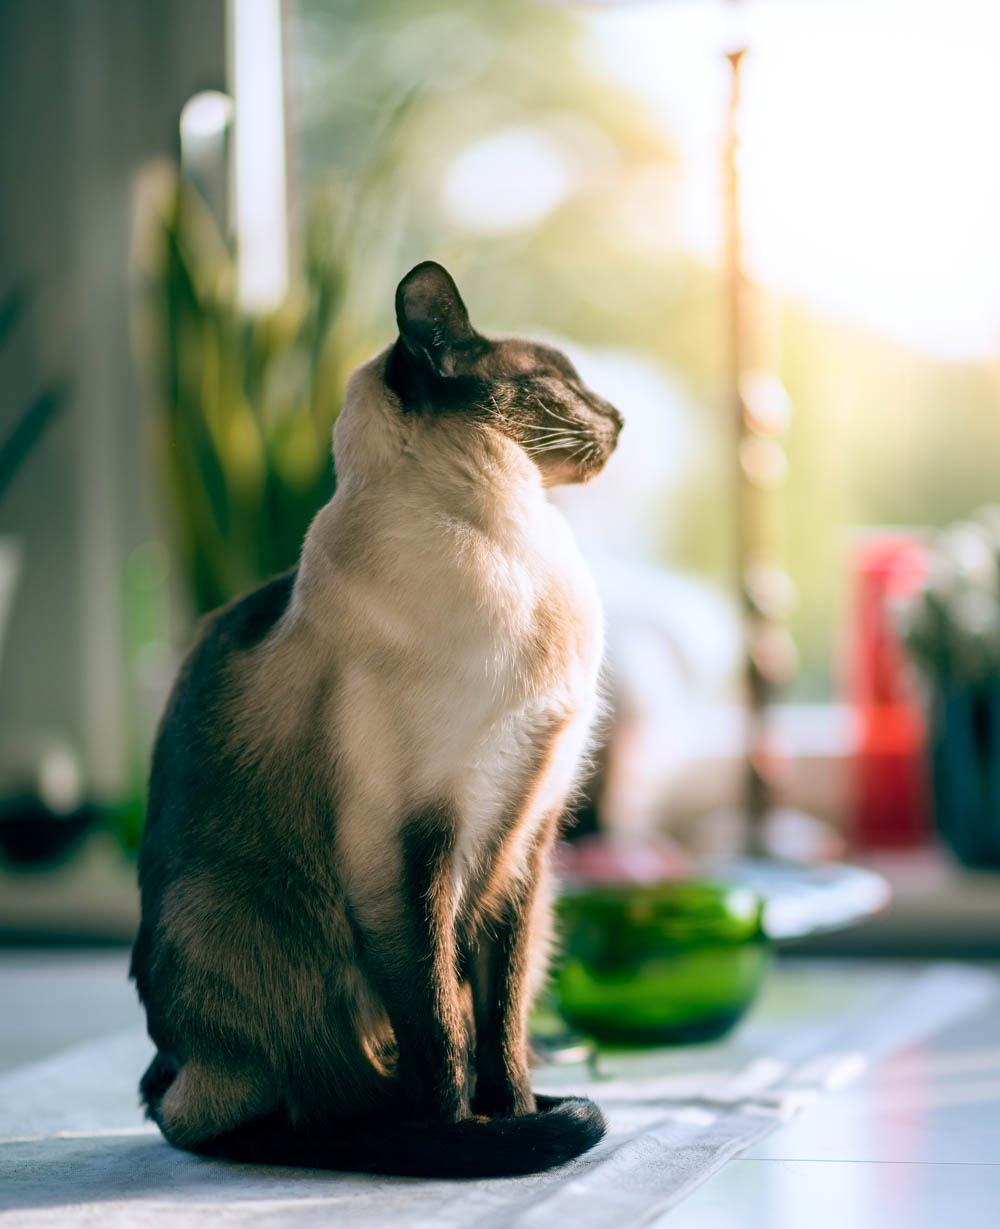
(913, 1144)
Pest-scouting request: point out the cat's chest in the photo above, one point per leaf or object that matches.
(521, 702)
(459, 656)
(521, 633)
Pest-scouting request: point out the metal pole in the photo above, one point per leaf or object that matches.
(757, 791)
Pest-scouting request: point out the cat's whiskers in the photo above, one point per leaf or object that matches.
(544, 437)
(551, 439)
(558, 446)
(541, 433)
(563, 418)
(574, 423)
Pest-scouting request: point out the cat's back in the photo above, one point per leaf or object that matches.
(190, 769)
(194, 783)
(210, 672)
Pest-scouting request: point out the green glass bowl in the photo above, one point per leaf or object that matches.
(663, 964)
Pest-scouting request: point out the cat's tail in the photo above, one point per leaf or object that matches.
(560, 1130)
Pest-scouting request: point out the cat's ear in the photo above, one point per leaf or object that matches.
(433, 323)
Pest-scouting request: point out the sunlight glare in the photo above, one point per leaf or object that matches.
(871, 182)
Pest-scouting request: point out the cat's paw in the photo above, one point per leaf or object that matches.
(503, 1100)
(434, 1103)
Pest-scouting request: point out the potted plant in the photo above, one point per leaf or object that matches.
(952, 630)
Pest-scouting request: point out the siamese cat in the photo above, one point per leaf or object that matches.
(359, 776)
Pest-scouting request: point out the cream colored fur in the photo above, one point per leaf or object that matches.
(447, 596)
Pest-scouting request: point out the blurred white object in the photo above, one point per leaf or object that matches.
(676, 727)
(40, 763)
(507, 181)
(800, 901)
(673, 645)
(673, 641)
(788, 835)
(623, 512)
(260, 203)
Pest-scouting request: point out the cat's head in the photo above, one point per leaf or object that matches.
(531, 393)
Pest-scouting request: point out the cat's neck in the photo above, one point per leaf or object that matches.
(434, 464)
(474, 475)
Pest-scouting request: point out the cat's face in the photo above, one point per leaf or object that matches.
(530, 393)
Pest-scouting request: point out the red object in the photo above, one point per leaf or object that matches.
(890, 781)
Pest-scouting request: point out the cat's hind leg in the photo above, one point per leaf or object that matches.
(205, 1099)
(158, 1077)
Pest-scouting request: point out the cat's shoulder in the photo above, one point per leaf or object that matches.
(223, 636)
(205, 695)
(244, 622)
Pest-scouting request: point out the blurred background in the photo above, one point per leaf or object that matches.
(766, 230)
